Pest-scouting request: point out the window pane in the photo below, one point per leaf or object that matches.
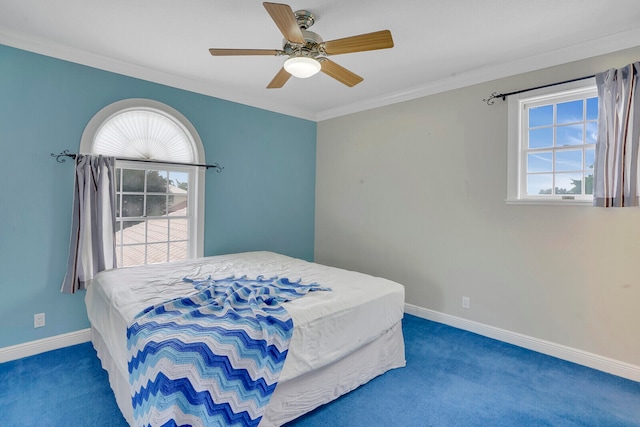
(592, 132)
(177, 251)
(157, 230)
(592, 108)
(539, 138)
(133, 232)
(178, 180)
(569, 160)
(569, 135)
(178, 205)
(156, 205)
(539, 184)
(569, 183)
(132, 180)
(541, 116)
(589, 159)
(118, 172)
(570, 112)
(118, 233)
(588, 184)
(156, 181)
(157, 252)
(132, 205)
(540, 162)
(133, 255)
(178, 229)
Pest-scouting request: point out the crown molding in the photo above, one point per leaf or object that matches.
(617, 42)
(620, 41)
(82, 57)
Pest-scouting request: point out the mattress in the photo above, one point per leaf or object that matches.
(328, 326)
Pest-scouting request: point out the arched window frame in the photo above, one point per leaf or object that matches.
(197, 190)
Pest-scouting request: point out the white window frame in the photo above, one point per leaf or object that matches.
(196, 201)
(517, 128)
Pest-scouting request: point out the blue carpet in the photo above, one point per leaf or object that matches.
(65, 387)
(457, 378)
(452, 378)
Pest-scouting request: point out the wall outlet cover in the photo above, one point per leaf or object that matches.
(38, 320)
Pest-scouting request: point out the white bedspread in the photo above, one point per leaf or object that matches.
(327, 325)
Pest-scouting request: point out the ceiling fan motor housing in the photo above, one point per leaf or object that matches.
(311, 48)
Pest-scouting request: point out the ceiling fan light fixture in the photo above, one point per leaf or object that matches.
(302, 66)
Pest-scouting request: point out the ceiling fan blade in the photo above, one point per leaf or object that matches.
(286, 21)
(340, 73)
(279, 80)
(370, 41)
(238, 52)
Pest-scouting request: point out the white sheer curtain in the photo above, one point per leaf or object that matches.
(92, 245)
(617, 162)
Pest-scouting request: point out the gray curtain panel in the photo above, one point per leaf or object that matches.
(615, 175)
(92, 245)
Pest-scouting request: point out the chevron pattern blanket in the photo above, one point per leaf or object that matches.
(214, 358)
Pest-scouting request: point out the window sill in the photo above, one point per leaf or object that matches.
(554, 202)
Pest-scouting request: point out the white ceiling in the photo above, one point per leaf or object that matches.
(439, 44)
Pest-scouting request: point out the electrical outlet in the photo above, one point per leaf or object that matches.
(466, 302)
(38, 320)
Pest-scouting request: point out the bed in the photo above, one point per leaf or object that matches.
(342, 338)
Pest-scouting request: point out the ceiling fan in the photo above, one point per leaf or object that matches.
(307, 51)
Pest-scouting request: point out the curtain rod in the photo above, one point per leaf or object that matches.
(65, 153)
(492, 99)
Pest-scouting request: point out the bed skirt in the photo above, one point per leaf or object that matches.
(299, 395)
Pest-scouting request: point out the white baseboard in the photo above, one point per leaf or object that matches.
(30, 348)
(601, 363)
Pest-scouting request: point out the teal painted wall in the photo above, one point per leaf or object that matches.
(263, 200)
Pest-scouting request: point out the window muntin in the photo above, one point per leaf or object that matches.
(552, 145)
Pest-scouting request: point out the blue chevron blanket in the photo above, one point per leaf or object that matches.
(214, 358)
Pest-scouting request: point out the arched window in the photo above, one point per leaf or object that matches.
(159, 206)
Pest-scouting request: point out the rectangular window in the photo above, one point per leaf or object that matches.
(552, 136)
(153, 214)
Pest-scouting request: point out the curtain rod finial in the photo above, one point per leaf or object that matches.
(60, 158)
(215, 166)
(492, 99)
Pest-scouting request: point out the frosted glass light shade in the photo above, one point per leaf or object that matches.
(302, 67)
